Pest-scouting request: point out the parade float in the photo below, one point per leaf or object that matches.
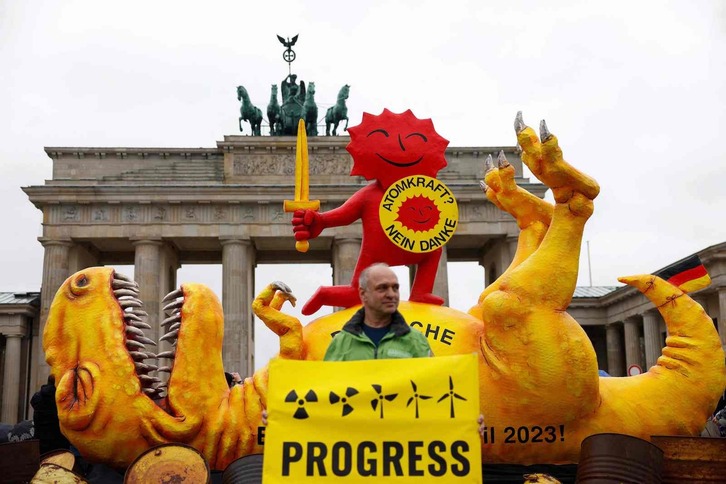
(539, 387)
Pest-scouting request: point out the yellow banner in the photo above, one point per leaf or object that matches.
(408, 420)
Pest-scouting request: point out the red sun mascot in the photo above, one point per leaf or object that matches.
(385, 149)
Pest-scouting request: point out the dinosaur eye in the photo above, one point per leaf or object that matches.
(82, 281)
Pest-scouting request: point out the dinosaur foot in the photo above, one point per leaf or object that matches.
(501, 189)
(543, 156)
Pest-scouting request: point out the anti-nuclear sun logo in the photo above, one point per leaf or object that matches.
(418, 213)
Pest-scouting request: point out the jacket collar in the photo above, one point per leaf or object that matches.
(398, 325)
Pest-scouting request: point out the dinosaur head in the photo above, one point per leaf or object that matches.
(96, 317)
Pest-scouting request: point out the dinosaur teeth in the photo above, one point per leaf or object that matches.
(146, 379)
(169, 336)
(145, 340)
(140, 313)
(123, 277)
(175, 318)
(140, 355)
(126, 292)
(129, 302)
(173, 295)
(131, 316)
(138, 324)
(164, 369)
(149, 391)
(175, 326)
(144, 367)
(134, 331)
(177, 304)
(133, 345)
(121, 284)
(167, 354)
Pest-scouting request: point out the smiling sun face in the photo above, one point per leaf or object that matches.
(391, 146)
(418, 214)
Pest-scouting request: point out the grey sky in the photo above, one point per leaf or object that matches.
(633, 89)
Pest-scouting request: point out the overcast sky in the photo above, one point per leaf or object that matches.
(634, 90)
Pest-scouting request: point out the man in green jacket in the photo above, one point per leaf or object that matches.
(377, 330)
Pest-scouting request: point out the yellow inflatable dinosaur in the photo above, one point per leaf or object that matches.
(540, 390)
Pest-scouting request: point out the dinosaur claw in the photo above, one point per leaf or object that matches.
(502, 160)
(483, 186)
(488, 164)
(519, 123)
(544, 133)
(281, 286)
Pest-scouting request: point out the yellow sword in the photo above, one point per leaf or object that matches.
(302, 182)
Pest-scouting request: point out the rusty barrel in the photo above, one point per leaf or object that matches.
(50, 473)
(168, 463)
(692, 459)
(618, 458)
(245, 470)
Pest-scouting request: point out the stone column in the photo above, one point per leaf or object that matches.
(237, 297)
(11, 379)
(722, 316)
(615, 350)
(55, 272)
(651, 334)
(631, 329)
(441, 283)
(148, 273)
(345, 257)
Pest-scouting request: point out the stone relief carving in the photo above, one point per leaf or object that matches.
(320, 164)
(72, 213)
(100, 215)
(189, 213)
(220, 213)
(160, 213)
(130, 214)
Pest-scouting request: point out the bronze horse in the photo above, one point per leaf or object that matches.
(274, 116)
(249, 112)
(310, 111)
(338, 112)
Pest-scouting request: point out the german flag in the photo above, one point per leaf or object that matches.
(688, 275)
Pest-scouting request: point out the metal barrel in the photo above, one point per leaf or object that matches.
(168, 463)
(245, 470)
(692, 459)
(617, 458)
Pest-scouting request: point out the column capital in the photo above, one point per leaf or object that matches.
(146, 241)
(235, 241)
(14, 335)
(47, 242)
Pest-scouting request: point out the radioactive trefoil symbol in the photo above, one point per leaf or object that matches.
(347, 407)
(293, 397)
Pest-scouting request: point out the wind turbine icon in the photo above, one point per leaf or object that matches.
(378, 401)
(416, 397)
(451, 395)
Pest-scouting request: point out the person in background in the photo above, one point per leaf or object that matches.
(45, 417)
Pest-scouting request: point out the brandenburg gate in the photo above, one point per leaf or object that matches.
(160, 208)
